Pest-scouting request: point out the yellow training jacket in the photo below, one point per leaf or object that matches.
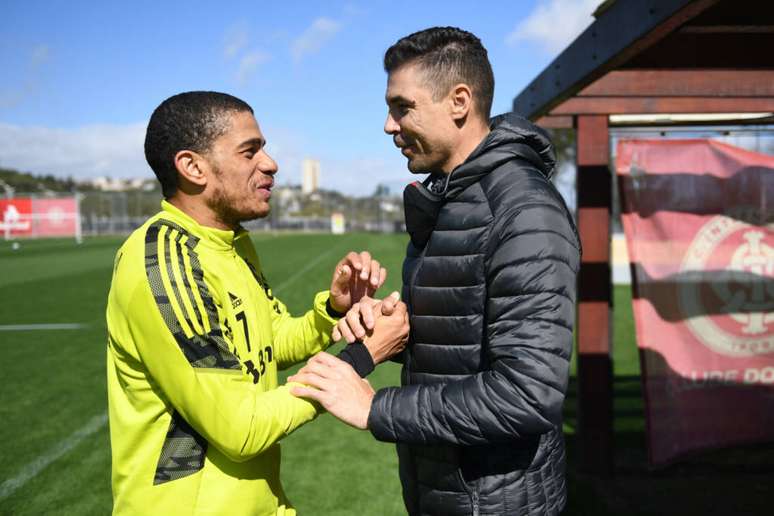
(195, 341)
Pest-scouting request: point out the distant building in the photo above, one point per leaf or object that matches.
(111, 184)
(310, 175)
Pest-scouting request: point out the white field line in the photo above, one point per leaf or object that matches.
(33, 327)
(304, 270)
(31, 470)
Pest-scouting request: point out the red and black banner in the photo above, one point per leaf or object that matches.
(699, 222)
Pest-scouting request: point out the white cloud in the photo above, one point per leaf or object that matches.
(357, 175)
(236, 39)
(248, 64)
(360, 176)
(554, 24)
(84, 152)
(314, 37)
(117, 151)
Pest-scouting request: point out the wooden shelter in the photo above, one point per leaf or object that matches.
(640, 57)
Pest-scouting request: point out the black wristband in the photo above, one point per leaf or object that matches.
(330, 311)
(357, 355)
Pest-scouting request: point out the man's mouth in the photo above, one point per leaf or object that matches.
(266, 187)
(404, 146)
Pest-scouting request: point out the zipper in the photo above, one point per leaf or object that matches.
(412, 279)
(472, 493)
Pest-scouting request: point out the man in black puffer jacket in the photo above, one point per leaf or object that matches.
(489, 280)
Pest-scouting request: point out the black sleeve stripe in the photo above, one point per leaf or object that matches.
(197, 273)
(182, 453)
(183, 272)
(204, 351)
(173, 281)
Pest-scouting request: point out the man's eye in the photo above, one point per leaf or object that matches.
(401, 109)
(249, 154)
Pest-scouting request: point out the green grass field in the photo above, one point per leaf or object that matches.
(54, 447)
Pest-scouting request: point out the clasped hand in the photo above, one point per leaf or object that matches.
(356, 275)
(382, 325)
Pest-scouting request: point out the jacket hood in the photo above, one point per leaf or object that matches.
(511, 137)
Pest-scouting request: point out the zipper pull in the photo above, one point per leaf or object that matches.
(475, 503)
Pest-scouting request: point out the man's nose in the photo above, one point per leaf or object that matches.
(268, 165)
(390, 125)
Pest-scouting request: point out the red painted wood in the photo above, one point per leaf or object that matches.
(555, 122)
(641, 105)
(595, 375)
(683, 83)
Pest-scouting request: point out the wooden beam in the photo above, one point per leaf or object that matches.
(556, 122)
(683, 83)
(728, 29)
(605, 46)
(644, 105)
(728, 50)
(595, 373)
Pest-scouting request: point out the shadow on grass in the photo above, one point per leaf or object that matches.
(731, 481)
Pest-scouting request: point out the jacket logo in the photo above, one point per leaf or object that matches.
(235, 301)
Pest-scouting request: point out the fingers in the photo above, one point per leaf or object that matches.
(366, 268)
(366, 307)
(343, 330)
(336, 334)
(389, 303)
(353, 322)
(301, 391)
(353, 259)
(319, 369)
(312, 368)
(365, 265)
(343, 274)
(376, 270)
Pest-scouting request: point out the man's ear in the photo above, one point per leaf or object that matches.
(191, 167)
(461, 101)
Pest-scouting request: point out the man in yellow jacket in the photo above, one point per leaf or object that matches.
(195, 335)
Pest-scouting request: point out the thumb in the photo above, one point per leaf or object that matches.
(342, 276)
(388, 306)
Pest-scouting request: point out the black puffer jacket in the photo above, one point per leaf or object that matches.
(491, 299)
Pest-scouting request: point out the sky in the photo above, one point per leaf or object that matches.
(80, 79)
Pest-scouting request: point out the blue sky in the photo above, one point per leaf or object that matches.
(80, 79)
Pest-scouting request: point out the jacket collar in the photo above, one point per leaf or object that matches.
(511, 137)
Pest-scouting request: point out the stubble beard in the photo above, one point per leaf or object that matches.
(223, 207)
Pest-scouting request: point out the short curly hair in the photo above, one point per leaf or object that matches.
(447, 56)
(186, 121)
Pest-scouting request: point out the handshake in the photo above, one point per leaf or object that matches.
(381, 325)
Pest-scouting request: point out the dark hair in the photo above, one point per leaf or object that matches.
(186, 121)
(447, 56)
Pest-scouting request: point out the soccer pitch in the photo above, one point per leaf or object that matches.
(55, 445)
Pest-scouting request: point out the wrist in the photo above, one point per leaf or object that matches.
(358, 356)
(367, 414)
(373, 348)
(333, 310)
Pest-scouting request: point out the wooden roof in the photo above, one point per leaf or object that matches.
(660, 56)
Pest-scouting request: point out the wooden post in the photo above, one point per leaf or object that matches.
(595, 372)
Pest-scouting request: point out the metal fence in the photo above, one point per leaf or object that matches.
(107, 213)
